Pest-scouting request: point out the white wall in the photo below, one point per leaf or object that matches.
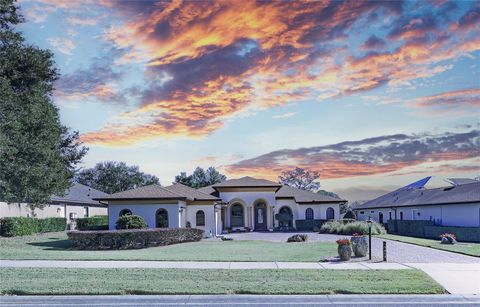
(146, 210)
(466, 215)
(17, 210)
(191, 214)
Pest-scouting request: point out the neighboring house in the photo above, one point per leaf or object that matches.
(455, 205)
(246, 204)
(77, 202)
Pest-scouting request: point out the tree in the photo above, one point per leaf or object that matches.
(38, 154)
(327, 193)
(301, 179)
(112, 177)
(201, 178)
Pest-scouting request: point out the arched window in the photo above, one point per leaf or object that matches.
(309, 214)
(330, 213)
(161, 218)
(125, 212)
(236, 216)
(200, 218)
(285, 217)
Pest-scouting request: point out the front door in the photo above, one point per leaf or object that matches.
(260, 217)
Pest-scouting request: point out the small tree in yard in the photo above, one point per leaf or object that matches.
(301, 179)
(38, 154)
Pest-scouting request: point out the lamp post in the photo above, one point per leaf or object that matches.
(369, 223)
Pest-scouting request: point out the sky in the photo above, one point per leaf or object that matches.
(372, 94)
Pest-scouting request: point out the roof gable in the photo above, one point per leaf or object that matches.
(79, 193)
(302, 196)
(245, 182)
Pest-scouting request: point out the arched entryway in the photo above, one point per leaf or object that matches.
(161, 218)
(260, 214)
(285, 217)
(236, 215)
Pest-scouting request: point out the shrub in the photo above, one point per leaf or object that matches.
(361, 227)
(350, 215)
(133, 238)
(98, 222)
(298, 238)
(130, 222)
(22, 226)
(308, 225)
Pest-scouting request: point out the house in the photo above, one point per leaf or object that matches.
(454, 205)
(77, 202)
(237, 204)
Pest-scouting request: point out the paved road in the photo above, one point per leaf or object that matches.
(396, 251)
(241, 300)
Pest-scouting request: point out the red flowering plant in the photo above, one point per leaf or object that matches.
(448, 236)
(356, 234)
(344, 241)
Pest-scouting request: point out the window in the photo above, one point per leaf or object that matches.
(390, 215)
(309, 214)
(85, 211)
(200, 218)
(401, 216)
(125, 212)
(362, 212)
(161, 218)
(330, 213)
(380, 217)
(236, 216)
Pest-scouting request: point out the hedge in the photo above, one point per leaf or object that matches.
(97, 222)
(409, 228)
(349, 228)
(133, 238)
(308, 225)
(130, 222)
(22, 226)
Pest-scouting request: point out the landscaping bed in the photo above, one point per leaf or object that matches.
(48, 281)
(56, 246)
(471, 249)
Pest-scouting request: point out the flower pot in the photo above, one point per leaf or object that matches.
(359, 246)
(345, 252)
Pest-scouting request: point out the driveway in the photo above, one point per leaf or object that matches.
(396, 251)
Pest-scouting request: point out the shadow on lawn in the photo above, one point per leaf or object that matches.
(54, 245)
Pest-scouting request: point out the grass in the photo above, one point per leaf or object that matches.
(56, 246)
(47, 281)
(471, 249)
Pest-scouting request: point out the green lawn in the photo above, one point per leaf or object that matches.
(56, 246)
(29, 281)
(472, 249)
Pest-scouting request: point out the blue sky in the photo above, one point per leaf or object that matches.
(373, 95)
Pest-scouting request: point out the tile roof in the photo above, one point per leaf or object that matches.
(464, 193)
(302, 196)
(79, 193)
(208, 190)
(155, 191)
(246, 182)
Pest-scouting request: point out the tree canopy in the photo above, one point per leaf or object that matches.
(301, 178)
(201, 178)
(112, 177)
(38, 154)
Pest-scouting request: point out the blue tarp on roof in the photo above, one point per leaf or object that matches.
(420, 184)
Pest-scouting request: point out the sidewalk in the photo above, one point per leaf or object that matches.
(456, 278)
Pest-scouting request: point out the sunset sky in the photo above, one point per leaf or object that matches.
(374, 95)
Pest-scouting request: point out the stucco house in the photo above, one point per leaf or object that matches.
(237, 204)
(78, 202)
(454, 205)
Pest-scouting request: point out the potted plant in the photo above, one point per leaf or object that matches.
(359, 244)
(344, 249)
(448, 238)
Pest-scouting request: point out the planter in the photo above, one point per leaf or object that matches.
(345, 252)
(359, 246)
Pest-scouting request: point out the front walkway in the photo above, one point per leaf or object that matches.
(239, 300)
(455, 278)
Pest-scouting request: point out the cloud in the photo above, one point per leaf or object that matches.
(76, 21)
(63, 45)
(284, 115)
(203, 69)
(462, 101)
(378, 155)
(98, 81)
